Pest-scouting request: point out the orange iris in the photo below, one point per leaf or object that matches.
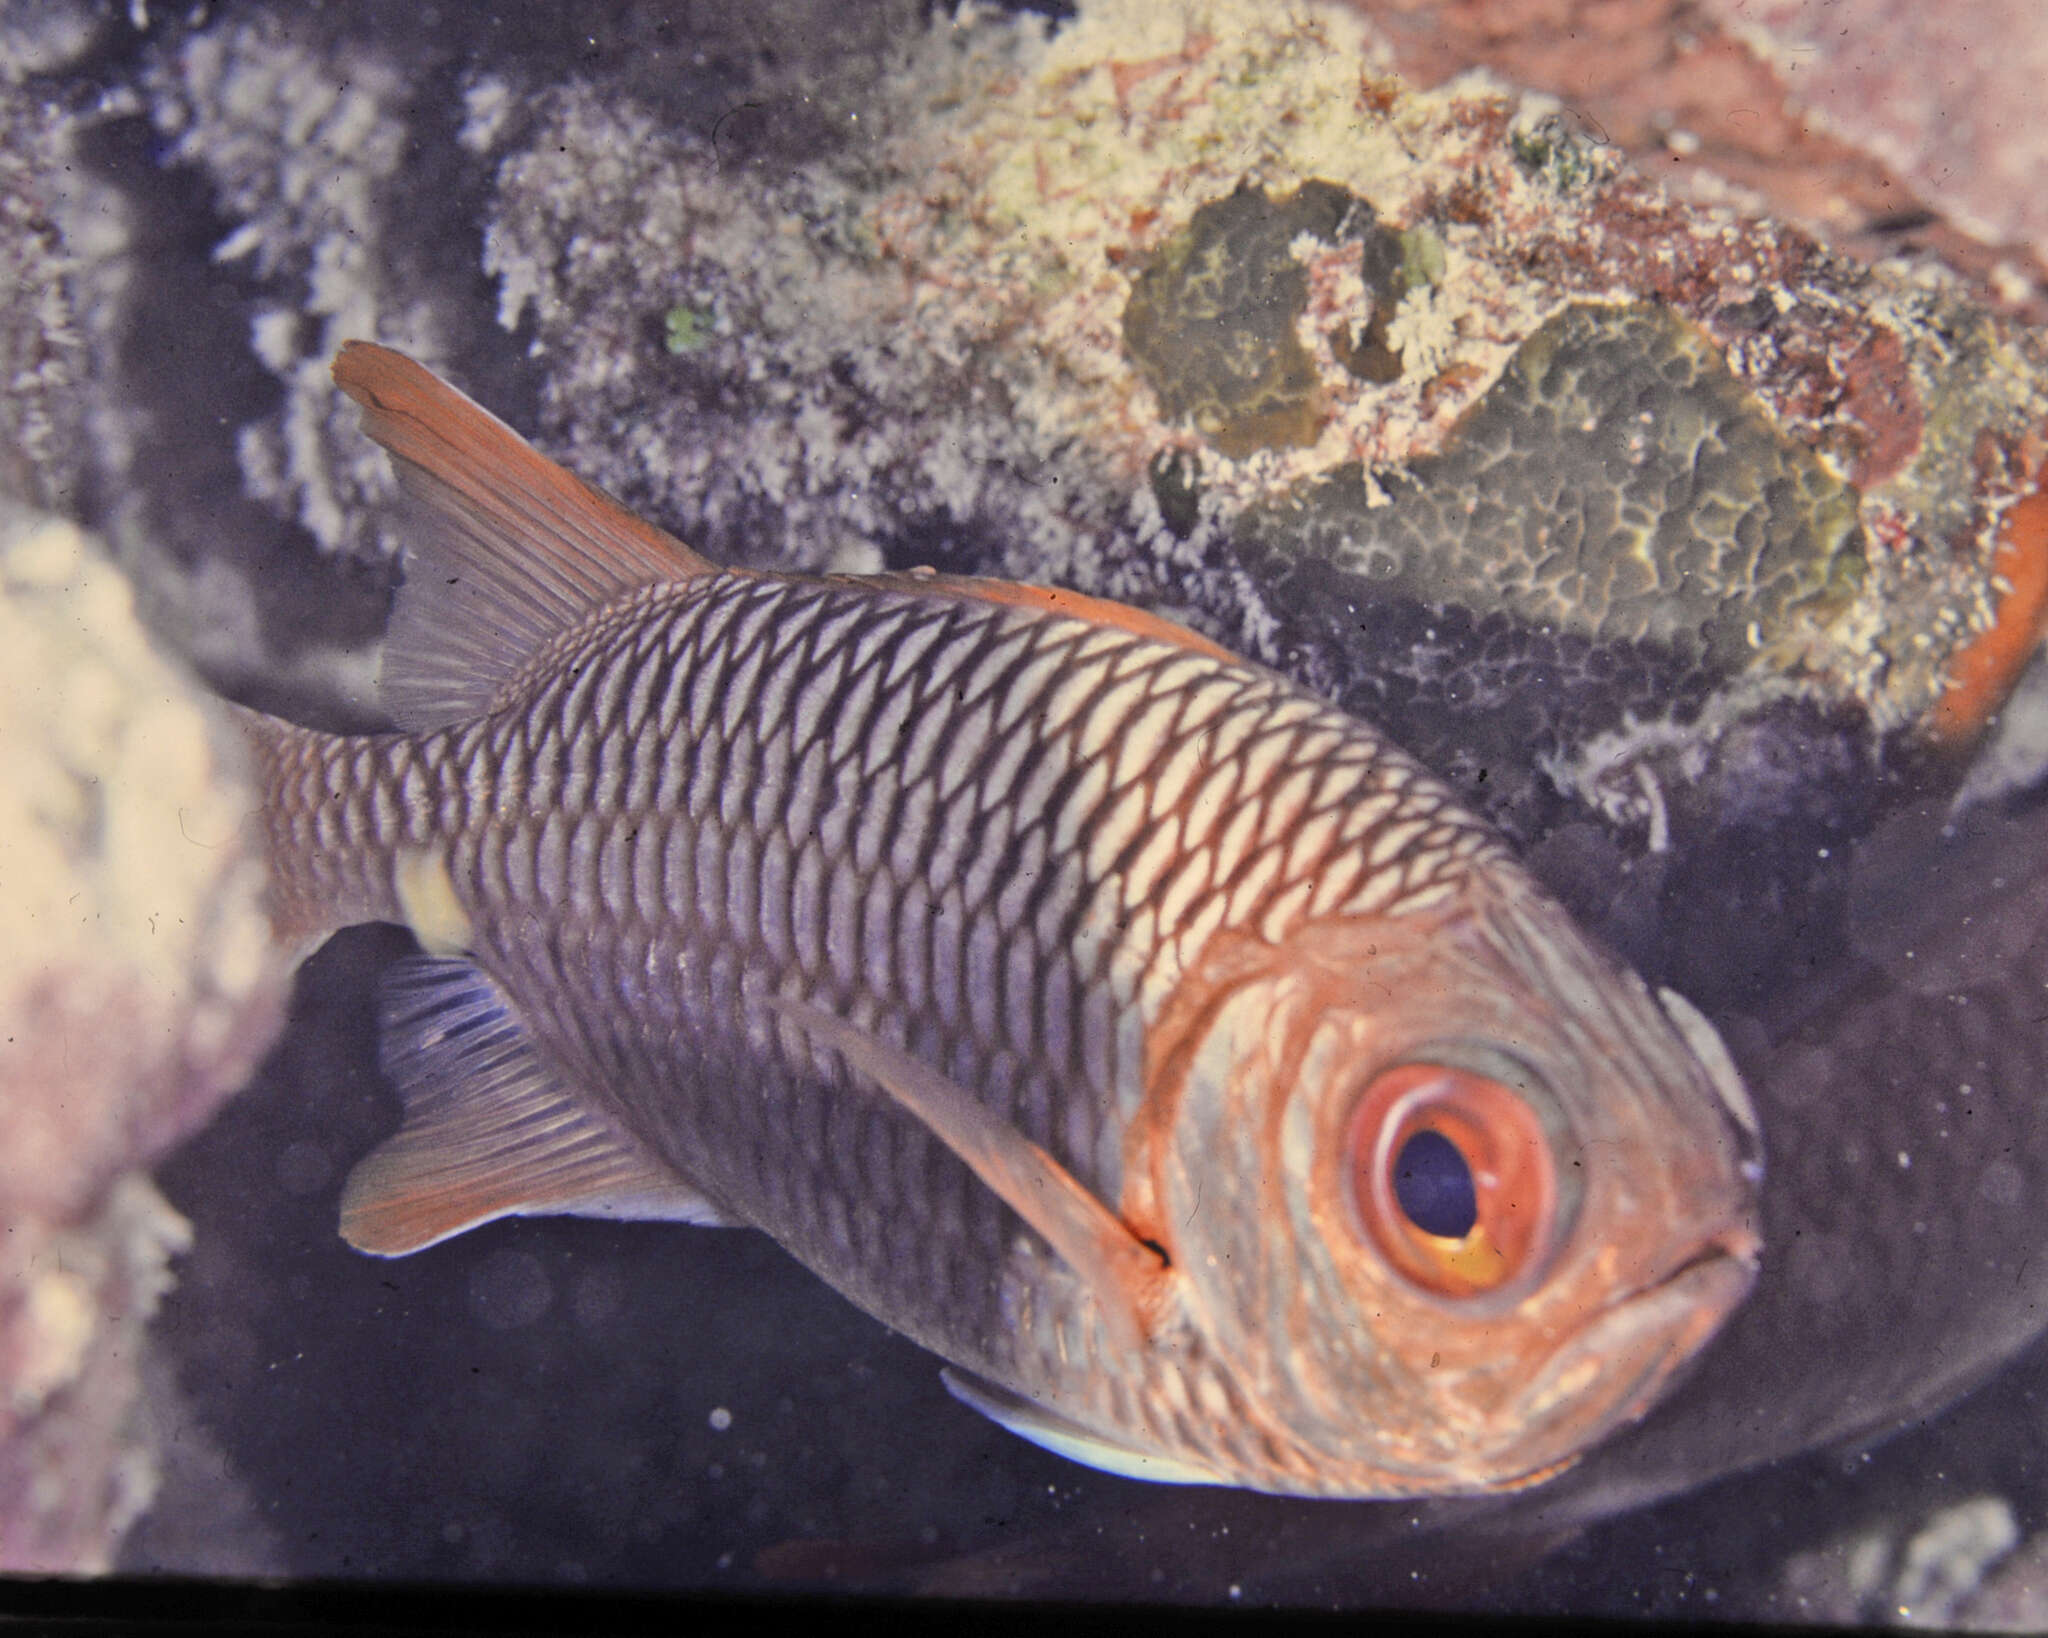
(1453, 1178)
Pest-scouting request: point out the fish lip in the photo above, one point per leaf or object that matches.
(1665, 1321)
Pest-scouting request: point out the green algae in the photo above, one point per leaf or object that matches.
(1617, 481)
(1211, 320)
(686, 329)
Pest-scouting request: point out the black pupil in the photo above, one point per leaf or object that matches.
(1434, 1186)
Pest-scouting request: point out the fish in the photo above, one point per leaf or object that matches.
(1162, 1048)
(1899, 1084)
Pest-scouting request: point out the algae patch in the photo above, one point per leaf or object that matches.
(1617, 481)
(1211, 319)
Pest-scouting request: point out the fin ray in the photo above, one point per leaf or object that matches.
(522, 548)
(490, 1130)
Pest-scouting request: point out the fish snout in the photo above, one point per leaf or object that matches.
(1611, 1370)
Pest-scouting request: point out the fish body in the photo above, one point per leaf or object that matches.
(1159, 1045)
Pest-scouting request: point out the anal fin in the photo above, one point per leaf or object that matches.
(490, 1130)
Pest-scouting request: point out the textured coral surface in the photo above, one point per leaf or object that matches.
(1885, 125)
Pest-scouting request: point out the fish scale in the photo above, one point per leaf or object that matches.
(981, 990)
(1062, 989)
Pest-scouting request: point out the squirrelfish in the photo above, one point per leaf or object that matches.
(1156, 1043)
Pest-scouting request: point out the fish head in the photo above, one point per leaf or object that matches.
(1453, 1194)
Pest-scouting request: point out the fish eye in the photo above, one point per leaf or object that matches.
(1453, 1178)
(1433, 1186)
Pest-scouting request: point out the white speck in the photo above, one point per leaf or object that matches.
(2011, 283)
(1423, 332)
(721, 1419)
(1905, 1161)
(239, 243)
(1653, 798)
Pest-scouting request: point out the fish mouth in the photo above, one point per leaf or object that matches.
(1613, 1369)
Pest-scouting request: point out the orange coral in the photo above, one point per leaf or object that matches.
(1982, 673)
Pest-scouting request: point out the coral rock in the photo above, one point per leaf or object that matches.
(140, 983)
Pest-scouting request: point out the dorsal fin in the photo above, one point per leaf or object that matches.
(490, 1131)
(524, 548)
(1098, 611)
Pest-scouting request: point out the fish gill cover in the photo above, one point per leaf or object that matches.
(905, 261)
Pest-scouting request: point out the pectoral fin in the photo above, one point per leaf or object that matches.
(1124, 1272)
(490, 1131)
(1051, 1431)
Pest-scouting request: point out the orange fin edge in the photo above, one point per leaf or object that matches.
(513, 548)
(419, 418)
(1098, 611)
(490, 1131)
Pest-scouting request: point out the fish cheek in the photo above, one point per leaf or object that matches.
(1418, 1340)
(1357, 1364)
(1222, 1199)
(1292, 1299)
